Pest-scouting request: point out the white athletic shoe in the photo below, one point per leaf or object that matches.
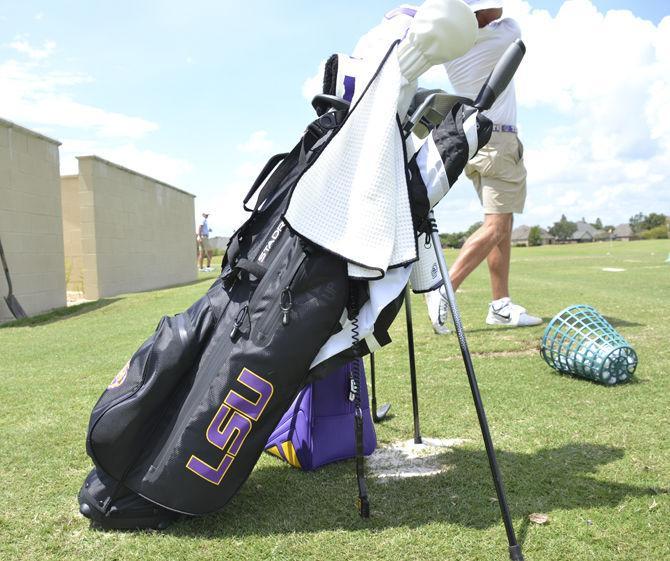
(438, 309)
(505, 312)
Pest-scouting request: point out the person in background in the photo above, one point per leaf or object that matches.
(204, 246)
(497, 173)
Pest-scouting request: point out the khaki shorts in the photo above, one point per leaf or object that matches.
(205, 244)
(499, 175)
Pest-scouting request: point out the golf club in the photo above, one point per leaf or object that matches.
(432, 108)
(514, 547)
(412, 365)
(378, 413)
(12, 303)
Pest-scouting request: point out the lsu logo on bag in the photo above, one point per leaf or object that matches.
(231, 425)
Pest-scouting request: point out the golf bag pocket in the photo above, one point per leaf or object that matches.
(112, 506)
(318, 427)
(130, 407)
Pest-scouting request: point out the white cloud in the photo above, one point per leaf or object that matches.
(36, 53)
(314, 84)
(31, 93)
(37, 94)
(148, 162)
(225, 204)
(607, 76)
(257, 143)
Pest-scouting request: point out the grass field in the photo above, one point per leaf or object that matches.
(595, 459)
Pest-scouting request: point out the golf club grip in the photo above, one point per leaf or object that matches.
(501, 75)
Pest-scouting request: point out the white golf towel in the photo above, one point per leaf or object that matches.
(353, 200)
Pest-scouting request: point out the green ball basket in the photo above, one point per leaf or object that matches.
(580, 341)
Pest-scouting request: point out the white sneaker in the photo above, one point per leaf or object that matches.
(505, 312)
(438, 309)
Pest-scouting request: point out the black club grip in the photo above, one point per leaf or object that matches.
(501, 76)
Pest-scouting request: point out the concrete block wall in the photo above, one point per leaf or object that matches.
(136, 233)
(31, 219)
(74, 266)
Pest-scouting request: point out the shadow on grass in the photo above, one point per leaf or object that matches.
(618, 322)
(79, 309)
(60, 314)
(497, 328)
(632, 381)
(280, 500)
(202, 277)
(614, 322)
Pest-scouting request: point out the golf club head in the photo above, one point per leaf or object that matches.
(432, 106)
(379, 413)
(501, 75)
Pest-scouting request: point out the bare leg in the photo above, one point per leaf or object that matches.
(498, 261)
(496, 229)
(201, 255)
(209, 258)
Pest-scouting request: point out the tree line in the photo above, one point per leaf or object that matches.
(646, 226)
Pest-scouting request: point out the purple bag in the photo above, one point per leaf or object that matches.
(318, 427)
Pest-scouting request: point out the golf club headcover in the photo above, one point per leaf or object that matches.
(442, 30)
(444, 155)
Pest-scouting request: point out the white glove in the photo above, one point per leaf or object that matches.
(442, 30)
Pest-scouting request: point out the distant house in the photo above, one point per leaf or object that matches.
(521, 233)
(623, 232)
(585, 233)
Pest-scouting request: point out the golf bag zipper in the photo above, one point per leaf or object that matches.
(279, 310)
(286, 303)
(239, 320)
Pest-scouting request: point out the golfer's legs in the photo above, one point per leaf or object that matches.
(496, 229)
(499, 258)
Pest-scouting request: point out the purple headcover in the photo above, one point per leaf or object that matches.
(318, 427)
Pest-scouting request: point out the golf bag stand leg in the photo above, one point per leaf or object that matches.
(377, 414)
(412, 365)
(514, 548)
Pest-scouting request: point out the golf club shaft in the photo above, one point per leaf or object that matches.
(373, 385)
(514, 548)
(5, 268)
(412, 365)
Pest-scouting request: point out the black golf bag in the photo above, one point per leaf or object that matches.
(193, 408)
(182, 425)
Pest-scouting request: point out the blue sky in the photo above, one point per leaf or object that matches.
(200, 93)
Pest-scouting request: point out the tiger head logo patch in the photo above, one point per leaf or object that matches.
(120, 377)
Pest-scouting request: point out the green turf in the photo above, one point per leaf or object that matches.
(595, 459)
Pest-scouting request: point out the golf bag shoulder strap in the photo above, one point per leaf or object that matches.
(363, 502)
(315, 130)
(271, 164)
